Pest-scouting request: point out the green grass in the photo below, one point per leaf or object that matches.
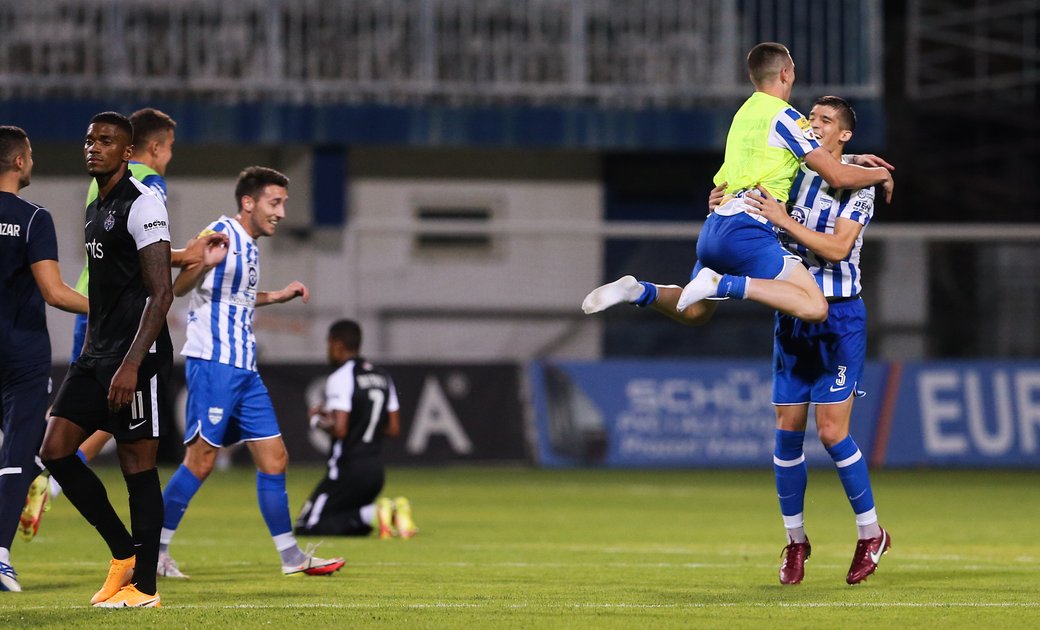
(518, 548)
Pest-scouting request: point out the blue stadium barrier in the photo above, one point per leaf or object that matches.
(964, 414)
(653, 414)
(701, 414)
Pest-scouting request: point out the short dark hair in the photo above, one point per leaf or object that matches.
(252, 181)
(765, 61)
(149, 122)
(13, 141)
(846, 115)
(347, 332)
(120, 121)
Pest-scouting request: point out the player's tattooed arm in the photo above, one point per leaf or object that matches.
(155, 273)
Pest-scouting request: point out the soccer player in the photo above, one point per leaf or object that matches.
(227, 400)
(153, 150)
(360, 409)
(119, 381)
(822, 363)
(825, 231)
(767, 141)
(29, 276)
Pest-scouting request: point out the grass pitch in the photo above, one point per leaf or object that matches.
(520, 548)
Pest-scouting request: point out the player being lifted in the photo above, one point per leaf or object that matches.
(738, 255)
(360, 409)
(227, 400)
(818, 363)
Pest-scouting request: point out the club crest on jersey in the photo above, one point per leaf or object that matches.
(215, 414)
(110, 222)
(252, 276)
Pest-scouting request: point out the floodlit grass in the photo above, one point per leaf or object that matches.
(519, 548)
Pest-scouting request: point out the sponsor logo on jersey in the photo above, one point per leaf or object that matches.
(806, 128)
(154, 225)
(10, 229)
(110, 222)
(94, 249)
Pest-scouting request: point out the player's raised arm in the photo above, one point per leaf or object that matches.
(868, 159)
(849, 176)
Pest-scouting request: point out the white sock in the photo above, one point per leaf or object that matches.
(55, 487)
(368, 514)
(795, 526)
(796, 535)
(288, 549)
(5, 555)
(867, 525)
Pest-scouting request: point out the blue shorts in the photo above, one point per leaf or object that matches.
(227, 405)
(820, 363)
(740, 246)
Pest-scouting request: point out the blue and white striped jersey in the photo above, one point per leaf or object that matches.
(817, 206)
(220, 313)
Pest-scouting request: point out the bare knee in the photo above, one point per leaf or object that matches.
(136, 457)
(275, 463)
(200, 458)
(62, 439)
(831, 432)
(816, 312)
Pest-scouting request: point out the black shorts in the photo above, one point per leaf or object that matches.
(333, 509)
(83, 398)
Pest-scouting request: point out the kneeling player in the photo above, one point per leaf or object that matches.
(360, 409)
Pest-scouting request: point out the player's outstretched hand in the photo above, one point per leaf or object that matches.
(869, 159)
(888, 186)
(199, 248)
(215, 249)
(294, 290)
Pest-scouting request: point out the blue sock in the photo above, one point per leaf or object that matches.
(791, 473)
(648, 296)
(178, 493)
(81, 455)
(274, 503)
(852, 470)
(732, 286)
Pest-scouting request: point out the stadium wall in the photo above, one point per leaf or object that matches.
(667, 414)
(649, 414)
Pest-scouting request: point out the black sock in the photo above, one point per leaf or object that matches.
(86, 492)
(146, 518)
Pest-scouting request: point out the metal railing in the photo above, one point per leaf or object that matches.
(614, 52)
(987, 49)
